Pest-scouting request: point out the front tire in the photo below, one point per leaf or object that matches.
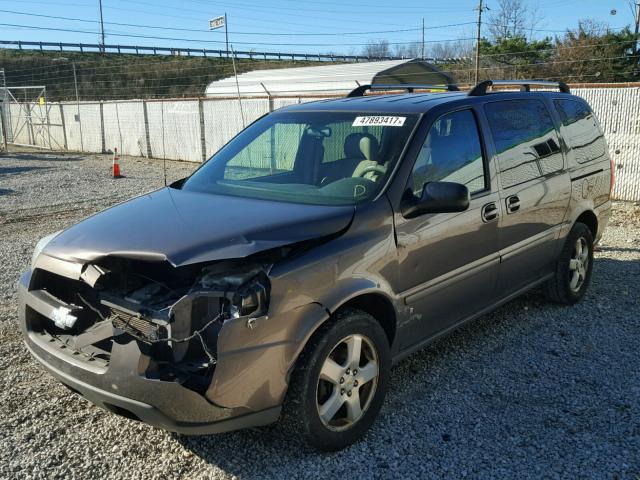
(573, 268)
(339, 383)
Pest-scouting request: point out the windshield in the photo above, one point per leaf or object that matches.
(322, 158)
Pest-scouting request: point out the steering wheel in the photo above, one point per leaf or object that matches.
(373, 168)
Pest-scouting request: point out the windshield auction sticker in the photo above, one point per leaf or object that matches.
(379, 121)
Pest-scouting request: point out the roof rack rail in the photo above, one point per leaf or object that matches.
(410, 87)
(525, 86)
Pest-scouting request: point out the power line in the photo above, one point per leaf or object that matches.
(150, 37)
(14, 12)
(286, 11)
(361, 12)
(259, 9)
(384, 6)
(319, 34)
(192, 40)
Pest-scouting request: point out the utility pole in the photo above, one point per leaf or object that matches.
(637, 29)
(478, 41)
(226, 33)
(101, 28)
(422, 38)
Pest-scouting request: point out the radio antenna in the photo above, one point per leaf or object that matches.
(164, 168)
(235, 73)
(164, 154)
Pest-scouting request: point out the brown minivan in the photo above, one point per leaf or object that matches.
(320, 246)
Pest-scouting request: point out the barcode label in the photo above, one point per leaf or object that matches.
(383, 121)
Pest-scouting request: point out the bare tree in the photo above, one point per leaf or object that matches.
(513, 18)
(377, 49)
(451, 49)
(535, 19)
(411, 50)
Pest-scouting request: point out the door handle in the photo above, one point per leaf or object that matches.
(513, 204)
(490, 212)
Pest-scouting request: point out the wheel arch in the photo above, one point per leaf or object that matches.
(589, 218)
(370, 300)
(379, 306)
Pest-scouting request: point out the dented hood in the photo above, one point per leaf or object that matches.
(188, 227)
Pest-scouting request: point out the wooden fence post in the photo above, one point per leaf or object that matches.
(203, 141)
(3, 127)
(64, 127)
(146, 128)
(102, 134)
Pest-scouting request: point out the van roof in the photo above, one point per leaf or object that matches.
(411, 102)
(388, 103)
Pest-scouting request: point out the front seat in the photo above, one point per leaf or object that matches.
(364, 146)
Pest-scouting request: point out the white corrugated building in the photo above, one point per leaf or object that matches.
(326, 79)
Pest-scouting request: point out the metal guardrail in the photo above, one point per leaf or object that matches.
(203, 52)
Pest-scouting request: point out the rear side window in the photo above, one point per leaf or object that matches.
(580, 130)
(525, 139)
(571, 111)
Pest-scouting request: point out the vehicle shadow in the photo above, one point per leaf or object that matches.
(50, 157)
(503, 387)
(17, 170)
(619, 249)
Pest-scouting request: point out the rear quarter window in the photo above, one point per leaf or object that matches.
(580, 130)
(525, 138)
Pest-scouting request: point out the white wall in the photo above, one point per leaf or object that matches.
(124, 127)
(223, 121)
(174, 130)
(618, 110)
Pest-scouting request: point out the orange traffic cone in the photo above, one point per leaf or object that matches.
(116, 164)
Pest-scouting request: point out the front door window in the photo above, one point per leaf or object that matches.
(452, 152)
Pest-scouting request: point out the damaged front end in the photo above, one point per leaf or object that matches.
(173, 314)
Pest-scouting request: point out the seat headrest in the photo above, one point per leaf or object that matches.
(440, 147)
(363, 146)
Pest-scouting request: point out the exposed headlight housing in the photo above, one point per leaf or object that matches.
(40, 246)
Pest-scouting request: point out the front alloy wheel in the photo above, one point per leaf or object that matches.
(347, 383)
(339, 383)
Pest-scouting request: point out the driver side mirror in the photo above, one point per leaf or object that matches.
(437, 197)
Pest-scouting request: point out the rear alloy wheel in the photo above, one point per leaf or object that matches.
(578, 265)
(339, 382)
(573, 268)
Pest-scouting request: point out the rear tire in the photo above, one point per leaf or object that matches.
(573, 268)
(339, 383)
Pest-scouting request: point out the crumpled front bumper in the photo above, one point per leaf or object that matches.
(118, 385)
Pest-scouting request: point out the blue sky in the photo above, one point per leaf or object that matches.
(281, 25)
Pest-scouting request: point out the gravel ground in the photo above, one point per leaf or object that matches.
(532, 390)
